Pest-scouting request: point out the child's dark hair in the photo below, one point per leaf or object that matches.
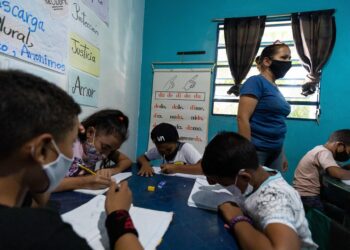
(342, 135)
(31, 106)
(227, 153)
(269, 51)
(164, 133)
(107, 121)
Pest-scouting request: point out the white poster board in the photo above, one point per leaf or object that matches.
(181, 97)
(35, 32)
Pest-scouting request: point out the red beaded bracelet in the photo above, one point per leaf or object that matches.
(239, 218)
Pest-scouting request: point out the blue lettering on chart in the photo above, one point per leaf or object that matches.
(24, 15)
(41, 59)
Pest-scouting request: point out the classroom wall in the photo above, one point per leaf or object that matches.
(182, 25)
(120, 46)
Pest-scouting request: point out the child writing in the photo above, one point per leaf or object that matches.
(39, 123)
(105, 131)
(322, 159)
(178, 157)
(276, 215)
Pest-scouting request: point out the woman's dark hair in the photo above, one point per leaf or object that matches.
(269, 51)
(107, 121)
(31, 106)
(227, 153)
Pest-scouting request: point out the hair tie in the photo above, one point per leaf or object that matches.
(120, 118)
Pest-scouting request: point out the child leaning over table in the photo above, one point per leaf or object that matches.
(322, 159)
(276, 215)
(178, 157)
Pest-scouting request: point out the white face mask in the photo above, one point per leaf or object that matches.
(234, 189)
(57, 169)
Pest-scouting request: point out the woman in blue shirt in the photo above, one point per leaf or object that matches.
(262, 109)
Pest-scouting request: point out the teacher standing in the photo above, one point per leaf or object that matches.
(262, 109)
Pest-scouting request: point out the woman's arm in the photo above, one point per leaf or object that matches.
(246, 107)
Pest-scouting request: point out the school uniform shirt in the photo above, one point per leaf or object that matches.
(307, 174)
(267, 123)
(36, 229)
(186, 154)
(275, 201)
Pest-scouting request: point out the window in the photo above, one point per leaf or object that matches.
(290, 86)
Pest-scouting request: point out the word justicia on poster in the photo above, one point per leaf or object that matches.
(34, 31)
(181, 97)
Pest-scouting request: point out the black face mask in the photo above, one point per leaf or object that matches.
(341, 156)
(280, 68)
(171, 156)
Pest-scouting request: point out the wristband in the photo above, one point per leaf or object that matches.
(239, 218)
(119, 223)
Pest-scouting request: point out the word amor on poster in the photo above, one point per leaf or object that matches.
(83, 88)
(182, 99)
(34, 31)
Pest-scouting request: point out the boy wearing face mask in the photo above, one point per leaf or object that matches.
(39, 124)
(322, 159)
(273, 212)
(178, 157)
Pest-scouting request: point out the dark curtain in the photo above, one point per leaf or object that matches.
(242, 38)
(314, 37)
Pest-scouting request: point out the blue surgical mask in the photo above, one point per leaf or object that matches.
(56, 170)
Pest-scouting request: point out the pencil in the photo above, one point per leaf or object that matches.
(86, 169)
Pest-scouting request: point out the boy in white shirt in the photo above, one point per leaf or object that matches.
(322, 159)
(178, 157)
(276, 215)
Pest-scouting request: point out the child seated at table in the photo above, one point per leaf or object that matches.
(178, 157)
(322, 159)
(105, 131)
(276, 215)
(39, 123)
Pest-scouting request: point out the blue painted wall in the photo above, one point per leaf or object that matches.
(183, 25)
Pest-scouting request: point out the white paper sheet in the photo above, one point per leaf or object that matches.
(208, 196)
(347, 182)
(191, 176)
(88, 222)
(118, 178)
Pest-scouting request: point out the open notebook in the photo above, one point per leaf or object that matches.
(88, 221)
(118, 178)
(191, 176)
(206, 196)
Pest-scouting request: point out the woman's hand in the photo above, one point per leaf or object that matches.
(118, 197)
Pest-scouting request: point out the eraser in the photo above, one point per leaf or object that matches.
(151, 188)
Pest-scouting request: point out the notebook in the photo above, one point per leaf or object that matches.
(118, 178)
(347, 182)
(191, 176)
(206, 196)
(88, 221)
